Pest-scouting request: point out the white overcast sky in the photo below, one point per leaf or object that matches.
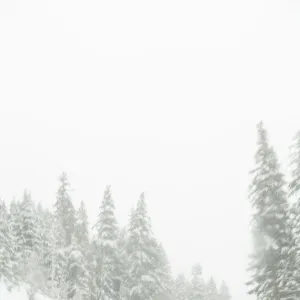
(157, 96)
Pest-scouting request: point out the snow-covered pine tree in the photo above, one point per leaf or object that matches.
(94, 268)
(181, 287)
(77, 275)
(64, 210)
(224, 292)
(45, 222)
(15, 228)
(143, 280)
(83, 241)
(30, 237)
(123, 259)
(197, 289)
(82, 229)
(211, 290)
(6, 248)
(63, 232)
(58, 261)
(273, 259)
(108, 279)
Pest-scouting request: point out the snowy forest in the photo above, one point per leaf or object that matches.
(58, 254)
(274, 263)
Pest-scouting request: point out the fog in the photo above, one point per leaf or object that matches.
(160, 97)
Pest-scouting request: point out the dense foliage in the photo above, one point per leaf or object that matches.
(55, 253)
(274, 263)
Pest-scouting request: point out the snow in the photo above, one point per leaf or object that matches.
(19, 293)
(41, 297)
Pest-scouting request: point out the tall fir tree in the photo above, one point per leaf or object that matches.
(64, 210)
(123, 260)
(77, 280)
(82, 229)
(15, 224)
(211, 290)
(6, 248)
(107, 257)
(15, 227)
(45, 222)
(224, 292)
(143, 278)
(94, 266)
(181, 287)
(30, 237)
(58, 261)
(63, 235)
(83, 241)
(197, 291)
(272, 265)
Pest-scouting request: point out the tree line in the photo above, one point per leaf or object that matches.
(54, 252)
(274, 262)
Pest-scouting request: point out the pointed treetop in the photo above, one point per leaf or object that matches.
(107, 190)
(64, 185)
(106, 225)
(107, 198)
(212, 283)
(224, 291)
(63, 178)
(141, 205)
(262, 136)
(262, 131)
(27, 196)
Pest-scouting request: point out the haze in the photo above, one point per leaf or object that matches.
(160, 96)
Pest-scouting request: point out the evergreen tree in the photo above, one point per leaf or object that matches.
(123, 259)
(65, 211)
(45, 222)
(30, 238)
(35, 274)
(94, 268)
(87, 251)
(211, 290)
(143, 280)
(15, 227)
(82, 230)
(58, 261)
(6, 249)
(197, 284)
(181, 287)
(224, 292)
(77, 274)
(273, 261)
(107, 257)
